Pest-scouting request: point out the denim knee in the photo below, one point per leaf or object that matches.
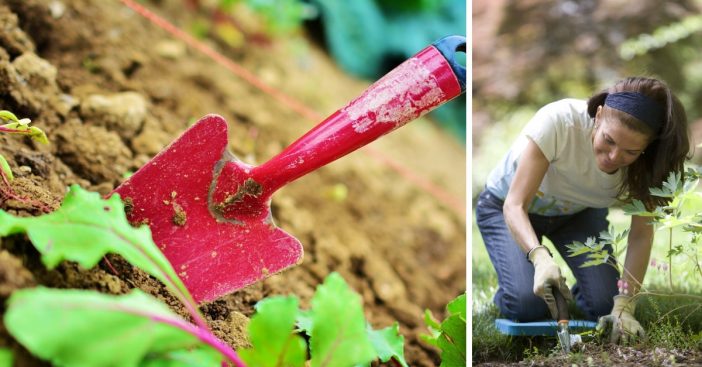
(521, 304)
(595, 302)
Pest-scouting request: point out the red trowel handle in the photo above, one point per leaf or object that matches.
(417, 86)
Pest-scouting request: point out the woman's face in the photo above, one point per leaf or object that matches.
(615, 145)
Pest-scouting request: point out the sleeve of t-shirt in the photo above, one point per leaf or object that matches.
(548, 129)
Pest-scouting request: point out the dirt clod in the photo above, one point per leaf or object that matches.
(121, 112)
(179, 216)
(13, 275)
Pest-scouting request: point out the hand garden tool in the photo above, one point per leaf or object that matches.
(210, 213)
(561, 327)
(562, 331)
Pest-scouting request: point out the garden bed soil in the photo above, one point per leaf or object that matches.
(111, 90)
(594, 354)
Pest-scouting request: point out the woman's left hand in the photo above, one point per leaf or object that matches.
(621, 323)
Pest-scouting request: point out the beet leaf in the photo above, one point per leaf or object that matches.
(85, 328)
(6, 357)
(86, 228)
(388, 343)
(450, 334)
(338, 336)
(272, 337)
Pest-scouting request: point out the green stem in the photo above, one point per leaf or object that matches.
(670, 257)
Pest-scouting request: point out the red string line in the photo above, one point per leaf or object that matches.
(440, 194)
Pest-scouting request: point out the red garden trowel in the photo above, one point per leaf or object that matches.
(210, 213)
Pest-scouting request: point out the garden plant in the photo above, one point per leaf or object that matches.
(136, 329)
(15, 126)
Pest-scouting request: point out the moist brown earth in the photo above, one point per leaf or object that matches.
(111, 90)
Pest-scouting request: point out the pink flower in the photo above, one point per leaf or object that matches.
(653, 262)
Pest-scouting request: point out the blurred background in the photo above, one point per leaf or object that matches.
(529, 53)
(367, 38)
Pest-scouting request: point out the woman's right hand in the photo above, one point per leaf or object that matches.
(548, 279)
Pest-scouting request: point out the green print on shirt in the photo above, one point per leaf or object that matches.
(548, 205)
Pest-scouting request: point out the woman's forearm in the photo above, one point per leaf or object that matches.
(638, 254)
(530, 172)
(520, 227)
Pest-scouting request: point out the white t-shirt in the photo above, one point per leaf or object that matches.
(573, 182)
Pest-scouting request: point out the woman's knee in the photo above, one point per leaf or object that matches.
(596, 302)
(522, 305)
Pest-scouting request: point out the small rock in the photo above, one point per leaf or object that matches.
(151, 140)
(65, 104)
(92, 152)
(12, 38)
(123, 113)
(170, 49)
(57, 9)
(37, 72)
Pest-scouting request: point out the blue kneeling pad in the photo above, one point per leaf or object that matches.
(545, 328)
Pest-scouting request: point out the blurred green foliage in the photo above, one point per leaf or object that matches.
(661, 37)
(279, 16)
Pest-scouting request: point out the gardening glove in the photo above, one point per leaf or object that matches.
(620, 323)
(548, 279)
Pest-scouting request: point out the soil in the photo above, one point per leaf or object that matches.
(111, 90)
(594, 354)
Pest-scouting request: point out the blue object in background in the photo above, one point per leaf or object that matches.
(368, 38)
(544, 328)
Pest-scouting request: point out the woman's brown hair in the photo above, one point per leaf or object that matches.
(669, 147)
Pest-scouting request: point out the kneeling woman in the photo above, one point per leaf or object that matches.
(573, 160)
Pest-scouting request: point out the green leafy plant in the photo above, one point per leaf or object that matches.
(6, 357)
(272, 18)
(13, 125)
(21, 127)
(337, 330)
(101, 330)
(84, 230)
(86, 328)
(279, 16)
(450, 334)
(5, 168)
(595, 251)
(680, 213)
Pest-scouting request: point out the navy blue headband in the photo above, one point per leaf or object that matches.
(639, 106)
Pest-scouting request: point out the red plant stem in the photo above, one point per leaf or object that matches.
(109, 265)
(192, 310)
(187, 300)
(5, 180)
(205, 336)
(13, 131)
(10, 194)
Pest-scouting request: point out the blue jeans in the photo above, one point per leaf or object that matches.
(595, 286)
